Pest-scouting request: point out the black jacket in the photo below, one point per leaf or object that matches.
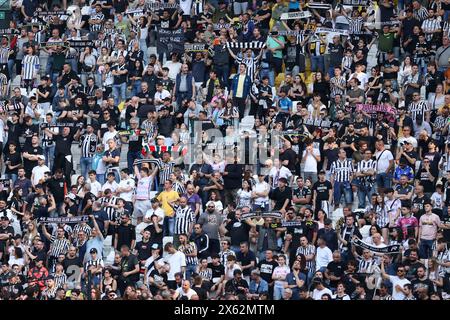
(233, 180)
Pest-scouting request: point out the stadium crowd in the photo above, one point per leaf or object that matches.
(249, 150)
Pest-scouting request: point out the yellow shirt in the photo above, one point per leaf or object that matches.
(164, 198)
(240, 86)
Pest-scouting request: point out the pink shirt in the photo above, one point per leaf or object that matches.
(429, 224)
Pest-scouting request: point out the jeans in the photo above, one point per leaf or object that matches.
(168, 226)
(131, 156)
(223, 73)
(11, 176)
(85, 165)
(143, 47)
(101, 178)
(363, 194)
(317, 63)
(180, 97)
(190, 270)
(384, 180)
(49, 153)
(240, 7)
(136, 88)
(278, 292)
(425, 248)
(119, 91)
(342, 188)
(48, 67)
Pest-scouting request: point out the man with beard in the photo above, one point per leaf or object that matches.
(348, 141)
(211, 221)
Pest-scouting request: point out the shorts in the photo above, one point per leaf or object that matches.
(141, 207)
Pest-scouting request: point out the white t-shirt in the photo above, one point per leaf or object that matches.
(383, 158)
(38, 172)
(362, 77)
(176, 261)
(261, 187)
(398, 295)
(283, 173)
(188, 294)
(111, 186)
(158, 212)
(323, 257)
(96, 187)
(438, 200)
(174, 69)
(127, 196)
(108, 135)
(310, 161)
(317, 294)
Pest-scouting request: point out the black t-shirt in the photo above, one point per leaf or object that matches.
(418, 203)
(337, 269)
(423, 176)
(389, 64)
(135, 143)
(322, 189)
(28, 164)
(217, 271)
(14, 131)
(201, 292)
(56, 186)
(125, 234)
(7, 230)
(411, 154)
(349, 139)
(426, 284)
(303, 192)
(144, 250)
(266, 269)
(14, 159)
(280, 197)
(63, 144)
(44, 90)
(71, 266)
(264, 24)
(28, 132)
(159, 278)
(246, 260)
(291, 156)
(155, 237)
(309, 228)
(238, 231)
(127, 264)
(114, 153)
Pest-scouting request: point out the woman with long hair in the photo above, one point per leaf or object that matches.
(17, 205)
(135, 77)
(321, 216)
(230, 115)
(108, 282)
(298, 91)
(435, 101)
(31, 233)
(244, 195)
(322, 86)
(405, 69)
(381, 217)
(375, 83)
(373, 229)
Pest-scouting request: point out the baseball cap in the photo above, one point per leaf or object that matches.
(93, 250)
(41, 156)
(155, 246)
(328, 221)
(160, 137)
